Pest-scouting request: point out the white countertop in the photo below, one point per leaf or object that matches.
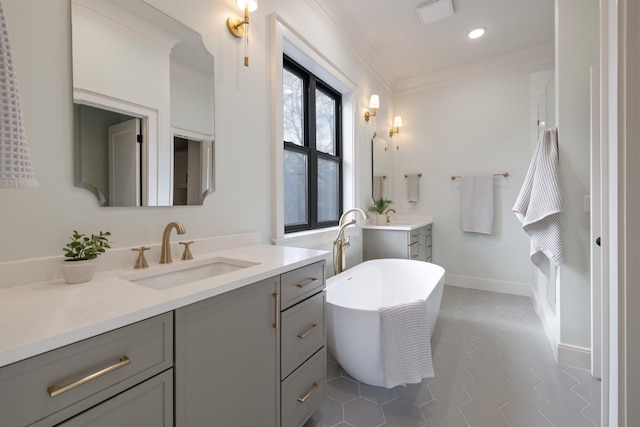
(402, 223)
(43, 316)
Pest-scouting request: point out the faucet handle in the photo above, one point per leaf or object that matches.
(141, 262)
(186, 255)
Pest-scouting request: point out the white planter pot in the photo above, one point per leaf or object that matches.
(78, 271)
(381, 219)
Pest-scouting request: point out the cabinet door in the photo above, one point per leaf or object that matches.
(149, 404)
(225, 359)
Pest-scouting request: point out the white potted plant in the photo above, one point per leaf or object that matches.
(80, 255)
(380, 206)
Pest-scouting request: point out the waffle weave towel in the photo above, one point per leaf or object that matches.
(405, 343)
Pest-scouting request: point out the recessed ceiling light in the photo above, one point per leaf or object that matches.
(477, 32)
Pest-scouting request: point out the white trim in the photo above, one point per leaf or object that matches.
(512, 288)
(533, 55)
(284, 39)
(578, 357)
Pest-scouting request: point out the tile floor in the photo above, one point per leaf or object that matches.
(494, 368)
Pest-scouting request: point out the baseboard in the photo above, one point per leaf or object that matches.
(502, 287)
(578, 357)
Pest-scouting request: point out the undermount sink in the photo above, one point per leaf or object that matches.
(191, 272)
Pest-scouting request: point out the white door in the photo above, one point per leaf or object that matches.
(124, 164)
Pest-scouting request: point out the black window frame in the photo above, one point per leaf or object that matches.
(312, 82)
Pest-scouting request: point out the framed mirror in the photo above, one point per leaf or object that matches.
(143, 95)
(381, 167)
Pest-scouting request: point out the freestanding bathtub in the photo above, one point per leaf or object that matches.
(353, 299)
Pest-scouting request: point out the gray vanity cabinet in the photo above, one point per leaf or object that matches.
(381, 242)
(226, 358)
(122, 377)
(254, 356)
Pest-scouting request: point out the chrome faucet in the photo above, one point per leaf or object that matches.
(165, 251)
(341, 243)
(387, 214)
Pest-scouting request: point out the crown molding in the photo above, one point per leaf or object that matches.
(366, 54)
(533, 55)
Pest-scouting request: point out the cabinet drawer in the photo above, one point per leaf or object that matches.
(73, 378)
(414, 236)
(302, 332)
(303, 391)
(428, 229)
(298, 284)
(149, 404)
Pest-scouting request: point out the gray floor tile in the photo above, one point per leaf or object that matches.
(489, 394)
(441, 414)
(479, 415)
(363, 413)
(562, 416)
(475, 331)
(342, 389)
(400, 413)
(525, 416)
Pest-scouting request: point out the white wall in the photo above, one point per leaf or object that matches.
(481, 125)
(37, 223)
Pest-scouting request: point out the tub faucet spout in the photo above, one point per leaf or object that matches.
(165, 251)
(341, 242)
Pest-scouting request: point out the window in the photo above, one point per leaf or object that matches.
(312, 150)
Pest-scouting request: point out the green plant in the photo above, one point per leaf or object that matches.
(380, 205)
(82, 247)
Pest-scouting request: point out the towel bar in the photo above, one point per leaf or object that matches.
(419, 175)
(504, 174)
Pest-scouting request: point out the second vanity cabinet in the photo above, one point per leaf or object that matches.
(254, 356)
(389, 242)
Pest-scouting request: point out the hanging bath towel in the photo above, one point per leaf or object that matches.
(539, 204)
(476, 204)
(405, 343)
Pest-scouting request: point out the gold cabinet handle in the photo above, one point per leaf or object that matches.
(314, 326)
(302, 399)
(54, 390)
(307, 283)
(277, 304)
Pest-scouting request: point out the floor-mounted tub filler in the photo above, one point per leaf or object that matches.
(354, 301)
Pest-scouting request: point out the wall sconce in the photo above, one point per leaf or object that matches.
(240, 28)
(374, 102)
(397, 124)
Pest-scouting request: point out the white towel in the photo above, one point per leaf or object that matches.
(377, 187)
(540, 202)
(412, 188)
(476, 204)
(405, 343)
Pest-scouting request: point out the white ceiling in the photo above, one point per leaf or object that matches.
(389, 35)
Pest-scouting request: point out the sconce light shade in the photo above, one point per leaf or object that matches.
(240, 28)
(374, 102)
(397, 124)
(252, 5)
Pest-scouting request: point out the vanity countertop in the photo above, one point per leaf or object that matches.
(43, 316)
(403, 223)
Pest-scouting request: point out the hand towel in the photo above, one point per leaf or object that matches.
(476, 204)
(405, 343)
(412, 188)
(539, 204)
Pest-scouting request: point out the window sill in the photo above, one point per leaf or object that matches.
(308, 239)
